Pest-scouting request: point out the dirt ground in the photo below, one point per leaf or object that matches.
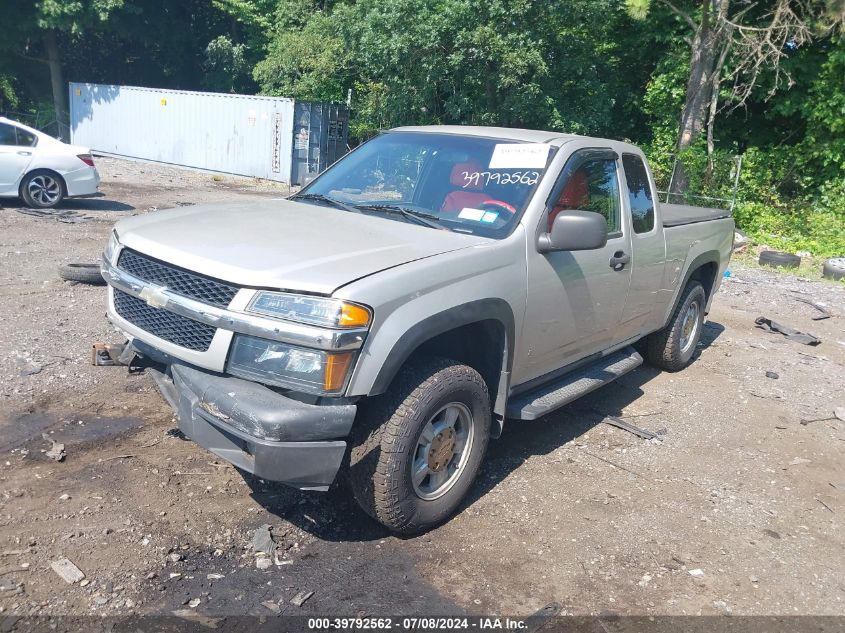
(737, 508)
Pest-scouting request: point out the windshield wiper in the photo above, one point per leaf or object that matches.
(319, 197)
(420, 217)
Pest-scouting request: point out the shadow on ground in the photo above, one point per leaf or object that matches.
(95, 204)
(68, 206)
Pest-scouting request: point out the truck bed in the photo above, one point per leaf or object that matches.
(680, 214)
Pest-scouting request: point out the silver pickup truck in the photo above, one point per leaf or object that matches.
(388, 318)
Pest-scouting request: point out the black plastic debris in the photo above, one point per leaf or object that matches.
(791, 333)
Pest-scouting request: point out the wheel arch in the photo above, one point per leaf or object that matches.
(43, 170)
(479, 333)
(703, 269)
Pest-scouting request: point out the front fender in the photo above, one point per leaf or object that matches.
(440, 323)
(420, 300)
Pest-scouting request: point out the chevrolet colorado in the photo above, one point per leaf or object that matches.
(389, 317)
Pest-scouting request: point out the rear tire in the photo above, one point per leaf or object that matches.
(408, 467)
(672, 348)
(42, 189)
(83, 273)
(834, 268)
(778, 259)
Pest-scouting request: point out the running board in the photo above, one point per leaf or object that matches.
(563, 390)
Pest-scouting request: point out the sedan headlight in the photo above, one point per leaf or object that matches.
(311, 310)
(111, 248)
(288, 366)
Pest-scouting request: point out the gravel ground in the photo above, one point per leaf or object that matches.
(736, 509)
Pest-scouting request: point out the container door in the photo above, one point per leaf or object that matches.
(277, 146)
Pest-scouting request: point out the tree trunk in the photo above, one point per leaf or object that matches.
(51, 47)
(492, 93)
(698, 95)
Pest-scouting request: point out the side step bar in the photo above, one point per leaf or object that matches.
(563, 390)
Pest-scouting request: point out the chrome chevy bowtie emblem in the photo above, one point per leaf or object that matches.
(154, 296)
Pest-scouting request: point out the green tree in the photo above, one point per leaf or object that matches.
(737, 41)
(496, 62)
(38, 28)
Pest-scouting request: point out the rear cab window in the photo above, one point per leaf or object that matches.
(639, 193)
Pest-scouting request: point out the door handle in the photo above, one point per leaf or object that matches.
(619, 260)
(22, 153)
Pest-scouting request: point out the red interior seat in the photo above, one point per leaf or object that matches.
(575, 195)
(470, 195)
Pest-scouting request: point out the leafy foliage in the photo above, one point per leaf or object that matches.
(611, 68)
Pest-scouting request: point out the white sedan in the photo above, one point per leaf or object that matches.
(42, 170)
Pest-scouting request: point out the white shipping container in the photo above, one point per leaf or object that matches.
(266, 137)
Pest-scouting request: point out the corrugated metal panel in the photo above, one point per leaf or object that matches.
(320, 135)
(237, 134)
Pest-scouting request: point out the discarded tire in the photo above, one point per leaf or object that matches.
(834, 268)
(779, 260)
(82, 273)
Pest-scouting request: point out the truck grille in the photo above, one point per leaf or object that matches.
(169, 326)
(182, 282)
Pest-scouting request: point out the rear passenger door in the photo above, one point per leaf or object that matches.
(646, 302)
(576, 299)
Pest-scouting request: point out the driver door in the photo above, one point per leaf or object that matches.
(575, 300)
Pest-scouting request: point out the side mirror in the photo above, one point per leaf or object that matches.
(575, 231)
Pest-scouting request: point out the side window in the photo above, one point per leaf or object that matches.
(592, 187)
(26, 139)
(7, 135)
(639, 193)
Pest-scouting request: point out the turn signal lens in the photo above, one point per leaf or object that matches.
(352, 315)
(337, 366)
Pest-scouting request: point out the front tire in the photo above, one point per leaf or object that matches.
(417, 449)
(42, 189)
(672, 347)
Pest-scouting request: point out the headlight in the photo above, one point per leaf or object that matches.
(311, 310)
(111, 248)
(298, 368)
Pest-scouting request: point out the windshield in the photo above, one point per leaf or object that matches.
(462, 183)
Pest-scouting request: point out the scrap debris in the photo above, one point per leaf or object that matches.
(262, 541)
(69, 572)
(62, 215)
(791, 333)
(57, 450)
(627, 426)
(300, 598)
(540, 618)
(824, 313)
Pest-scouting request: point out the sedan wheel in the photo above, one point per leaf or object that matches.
(42, 190)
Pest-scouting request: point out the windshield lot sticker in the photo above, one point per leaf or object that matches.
(484, 178)
(471, 214)
(519, 156)
(489, 217)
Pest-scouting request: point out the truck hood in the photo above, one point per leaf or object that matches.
(283, 244)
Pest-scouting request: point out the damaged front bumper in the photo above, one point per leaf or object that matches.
(257, 429)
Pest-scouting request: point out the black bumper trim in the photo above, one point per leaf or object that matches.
(258, 430)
